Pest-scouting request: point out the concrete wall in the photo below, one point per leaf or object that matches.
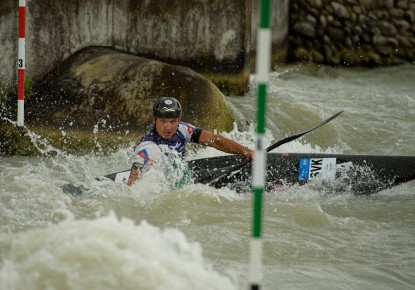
(279, 28)
(211, 35)
(8, 43)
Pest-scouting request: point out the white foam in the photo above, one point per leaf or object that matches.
(106, 253)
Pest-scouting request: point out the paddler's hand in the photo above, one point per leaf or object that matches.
(249, 153)
(133, 176)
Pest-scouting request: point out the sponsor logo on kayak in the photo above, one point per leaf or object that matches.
(310, 168)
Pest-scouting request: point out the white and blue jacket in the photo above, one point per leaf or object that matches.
(152, 144)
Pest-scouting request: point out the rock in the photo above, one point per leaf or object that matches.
(317, 56)
(357, 9)
(379, 14)
(304, 28)
(371, 4)
(366, 38)
(335, 33)
(379, 40)
(403, 25)
(397, 13)
(328, 53)
(311, 19)
(384, 50)
(339, 10)
(392, 41)
(362, 18)
(99, 89)
(348, 42)
(356, 39)
(375, 30)
(353, 18)
(302, 55)
(409, 16)
(357, 30)
(403, 4)
(389, 4)
(349, 57)
(373, 57)
(13, 142)
(315, 3)
(323, 20)
(372, 15)
(387, 29)
(403, 41)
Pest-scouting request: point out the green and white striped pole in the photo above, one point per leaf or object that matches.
(263, 62)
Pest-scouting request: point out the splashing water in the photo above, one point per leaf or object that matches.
(197, 237)
(108, 252)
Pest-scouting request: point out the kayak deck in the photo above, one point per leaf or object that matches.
(361, 174)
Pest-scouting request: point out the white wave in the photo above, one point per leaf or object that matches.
(106, 253)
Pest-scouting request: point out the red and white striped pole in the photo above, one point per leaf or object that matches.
(21, 66)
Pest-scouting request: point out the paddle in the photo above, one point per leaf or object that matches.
(220, 173)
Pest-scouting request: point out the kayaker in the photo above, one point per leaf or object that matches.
(169, 131)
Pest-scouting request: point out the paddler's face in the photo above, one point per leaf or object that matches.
(166, 127)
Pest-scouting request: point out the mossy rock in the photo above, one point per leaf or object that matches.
(101, 99)
(350, 57)
(317, 56)
(47, 140)
(13, 141)
(229, 84)
(301, 54)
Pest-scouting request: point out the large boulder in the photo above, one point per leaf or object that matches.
(102, 94)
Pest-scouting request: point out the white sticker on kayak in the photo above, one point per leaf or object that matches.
(312, 167)
(122, 177)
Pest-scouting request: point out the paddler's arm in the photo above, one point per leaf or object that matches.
(224, 144)
(135, 174)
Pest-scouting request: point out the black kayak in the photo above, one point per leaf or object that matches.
(360, 174)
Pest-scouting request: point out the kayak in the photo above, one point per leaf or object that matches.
(360, 174)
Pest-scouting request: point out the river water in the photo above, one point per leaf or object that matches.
(197, 237)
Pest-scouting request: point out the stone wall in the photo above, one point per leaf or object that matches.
(352, 32)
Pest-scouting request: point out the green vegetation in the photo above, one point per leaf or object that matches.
(229, 84)
(28, 87)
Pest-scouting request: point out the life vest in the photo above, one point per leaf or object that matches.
(152, 144)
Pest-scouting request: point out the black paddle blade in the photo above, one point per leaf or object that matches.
(296, 136)
(75, 190)
(79, 191)
(216, 175)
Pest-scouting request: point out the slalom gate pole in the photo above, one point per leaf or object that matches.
(21, 66)
(263, 63)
